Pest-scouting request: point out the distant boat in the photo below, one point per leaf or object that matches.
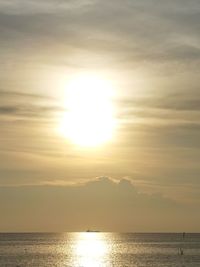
(92, 231)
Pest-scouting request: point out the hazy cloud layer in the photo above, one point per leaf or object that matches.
(101, 204)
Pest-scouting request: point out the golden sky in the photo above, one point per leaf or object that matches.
(142, 58)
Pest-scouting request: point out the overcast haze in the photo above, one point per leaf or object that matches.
(148, 175)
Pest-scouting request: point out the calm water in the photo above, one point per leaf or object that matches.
(99, 250)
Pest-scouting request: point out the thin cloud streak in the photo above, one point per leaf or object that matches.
(30, 111)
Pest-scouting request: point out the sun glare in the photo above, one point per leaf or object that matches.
(89, 119)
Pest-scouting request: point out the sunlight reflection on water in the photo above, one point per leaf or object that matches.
(98, 250)
(90, 250)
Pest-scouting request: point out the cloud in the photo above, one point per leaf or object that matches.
(161, 121)
(101, 203)
(27, 105)
(18, 94)
(186, 100)
(5, 110)
(126, 35)
(29, 111)
(40, 6)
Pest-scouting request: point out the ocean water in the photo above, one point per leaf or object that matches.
(99, 250)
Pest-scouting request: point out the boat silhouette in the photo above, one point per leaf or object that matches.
(92, 231)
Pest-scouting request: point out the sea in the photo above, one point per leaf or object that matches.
(96, 249)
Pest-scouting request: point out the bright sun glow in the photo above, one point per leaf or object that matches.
(89, 120)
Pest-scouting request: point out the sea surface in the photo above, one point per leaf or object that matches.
(99, 250)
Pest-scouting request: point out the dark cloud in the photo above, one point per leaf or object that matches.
(22, 104)
(29, 111)
(5, 110)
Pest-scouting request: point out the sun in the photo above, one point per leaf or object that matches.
(89, 120)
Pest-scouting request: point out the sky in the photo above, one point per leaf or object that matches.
(147, 177)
